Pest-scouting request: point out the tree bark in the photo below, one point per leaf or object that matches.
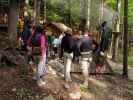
(125, 38)
(95, 14)
(13, 18)
(85, 14)
(101, 11)
(36, 11)
(45, 10)
(117, 31)
(69, 15)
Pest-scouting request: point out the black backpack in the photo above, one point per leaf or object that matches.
(35, 39)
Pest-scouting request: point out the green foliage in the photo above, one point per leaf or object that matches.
(130, 56)
(111, 3)
(65, 10)
(130, 12)
(83, 88)
(24, 93)
(58, 10)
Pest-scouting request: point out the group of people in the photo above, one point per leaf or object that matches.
(73, 47)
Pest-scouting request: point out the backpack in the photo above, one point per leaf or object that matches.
(35, 39)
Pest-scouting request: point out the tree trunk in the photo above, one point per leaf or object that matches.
(95, 14)
(117, 31)
(45, 10)
(85, 14)
(125, 45)
(69, 15)
(101, 11)
(13, 18)
(26, 7)
(36, 11)
(115, 48)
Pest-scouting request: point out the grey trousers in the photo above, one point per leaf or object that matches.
(68, 62)
(86, 58)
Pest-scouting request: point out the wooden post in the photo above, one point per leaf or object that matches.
(125, 38)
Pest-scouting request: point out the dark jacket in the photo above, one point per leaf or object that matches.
(67, 44)
(106, 34)
(86, 44)
(26, 32)
(76, 49)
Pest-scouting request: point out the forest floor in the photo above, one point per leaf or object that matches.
(15, 86)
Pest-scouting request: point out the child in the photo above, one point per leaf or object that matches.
(41, 69)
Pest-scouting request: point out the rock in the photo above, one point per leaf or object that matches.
(14, 89)
(75, 95)
(13, 56)
(49, 97)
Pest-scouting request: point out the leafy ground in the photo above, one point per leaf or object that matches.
(15, 86)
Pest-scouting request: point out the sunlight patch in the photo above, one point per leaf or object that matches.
(98, 83)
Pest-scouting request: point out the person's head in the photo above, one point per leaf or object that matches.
(68, 32)
(85, 32)
(76, 33)
(39, 29)
(104, 23)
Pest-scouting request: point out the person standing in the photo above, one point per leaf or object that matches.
(26, 33)
(105, 34)
(67, 51)
(86, 48)
(76, 50)
(39, 39)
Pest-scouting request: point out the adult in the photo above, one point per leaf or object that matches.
(104, 37)
(67, 51)
(26, 32)
(86, 48)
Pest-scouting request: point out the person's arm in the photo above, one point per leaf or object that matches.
(42, 45)
(61, 52)
(30, 38)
